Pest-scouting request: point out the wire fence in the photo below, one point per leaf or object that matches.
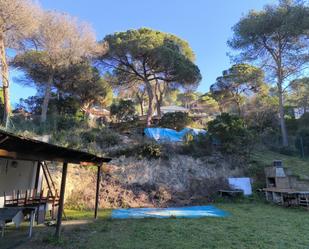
(298, 145)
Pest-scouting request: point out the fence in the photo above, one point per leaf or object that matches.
(298, 145)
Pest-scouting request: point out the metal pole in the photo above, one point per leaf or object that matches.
(302, 147)
(61, 200)
(2, 223)
(31, 222)
(97, 192)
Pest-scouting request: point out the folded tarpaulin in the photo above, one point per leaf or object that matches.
(170, 135)
(242, 183)
(177, 212)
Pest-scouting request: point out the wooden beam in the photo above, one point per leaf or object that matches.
(49, 156)
(97, 192)
(37, 176)
(61, 200)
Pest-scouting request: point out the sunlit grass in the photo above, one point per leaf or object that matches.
(251, 225)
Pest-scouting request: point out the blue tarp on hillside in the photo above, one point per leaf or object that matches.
(182, 212)
(169, 135)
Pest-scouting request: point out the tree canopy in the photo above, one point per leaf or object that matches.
(237, 82)
(145, 55)
(277, 39)
(59, 42)
(300, 93)
(18, 20)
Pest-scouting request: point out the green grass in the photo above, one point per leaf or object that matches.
(298, 166)
(86, 214)
(251, 225)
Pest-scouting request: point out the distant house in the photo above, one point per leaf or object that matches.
(173, 108)
(298, 112)
(201, 109)
(21, 112)
(98, 114)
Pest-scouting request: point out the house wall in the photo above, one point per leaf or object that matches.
(16, 175)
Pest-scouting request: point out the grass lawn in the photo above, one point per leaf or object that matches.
(251, 225)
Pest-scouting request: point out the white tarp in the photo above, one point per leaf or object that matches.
(243, 183)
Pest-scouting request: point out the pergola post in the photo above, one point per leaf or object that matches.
(61, 199)
(97, 192)
(37, 176)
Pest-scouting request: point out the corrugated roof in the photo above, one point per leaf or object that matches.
(22, 148)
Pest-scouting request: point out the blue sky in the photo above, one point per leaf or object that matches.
(205, 24)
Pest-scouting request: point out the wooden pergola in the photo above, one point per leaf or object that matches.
(22, 148)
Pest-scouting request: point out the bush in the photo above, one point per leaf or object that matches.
(231, 133)
(197, 146)
(287, 150)
(146, 150)
(123, 111)
(66, 122)
(102, 137)
(92, 140)
(175, 120)
(54, 123)
(292, 125)
(150, 150)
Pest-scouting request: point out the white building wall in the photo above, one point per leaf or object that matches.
(16, 175)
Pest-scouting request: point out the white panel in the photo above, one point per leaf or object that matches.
(16, 175)
(242, 183)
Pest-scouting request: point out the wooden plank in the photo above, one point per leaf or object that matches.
(61, 200)
(47, 157)
(37, 175)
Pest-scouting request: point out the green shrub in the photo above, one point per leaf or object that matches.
(102, 137)
(287, 150)
(197, 146)
(231, 133)
(123, 111)
(92, 140)
(145, 150)
(175, 120)
(67, 122)
(150, 150)
(292, 125)
(54, 123)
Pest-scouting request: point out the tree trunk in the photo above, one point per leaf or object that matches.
(238, 108)
(150, 103)
(141, 103)
(158, 101)
(5, 81)
(140, 99)
(47, 96)
(284, 133)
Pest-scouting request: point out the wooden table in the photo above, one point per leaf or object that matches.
(16, 215)
(284, 196)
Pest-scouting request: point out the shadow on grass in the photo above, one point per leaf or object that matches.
(77, 223)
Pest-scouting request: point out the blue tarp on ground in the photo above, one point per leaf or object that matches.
(170, 135)
(182, 212)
